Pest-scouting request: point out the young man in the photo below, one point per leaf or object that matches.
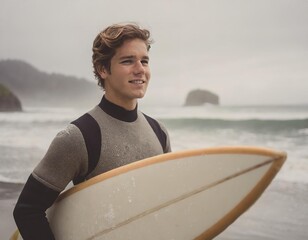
(111, 135)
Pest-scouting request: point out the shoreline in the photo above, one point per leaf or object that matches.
(280, 213)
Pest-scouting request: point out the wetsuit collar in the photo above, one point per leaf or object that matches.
(118, 112)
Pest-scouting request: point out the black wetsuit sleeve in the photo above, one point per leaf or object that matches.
(29, 212)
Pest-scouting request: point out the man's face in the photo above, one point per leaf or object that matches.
(129, 74)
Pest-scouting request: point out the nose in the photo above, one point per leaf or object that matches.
(139, 68)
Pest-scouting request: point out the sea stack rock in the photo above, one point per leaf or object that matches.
(200, 97)
(8, 101)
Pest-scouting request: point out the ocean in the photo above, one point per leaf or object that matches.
(25, 137)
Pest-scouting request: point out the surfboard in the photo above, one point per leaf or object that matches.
(193, 194)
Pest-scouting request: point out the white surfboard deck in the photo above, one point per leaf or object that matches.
(193, 194)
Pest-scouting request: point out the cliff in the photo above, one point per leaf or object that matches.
(37, 88)
(8, 101)
(199, 97)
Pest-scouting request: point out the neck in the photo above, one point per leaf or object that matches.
(127, 105)
(117, 111)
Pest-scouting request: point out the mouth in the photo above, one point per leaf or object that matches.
(137, 81)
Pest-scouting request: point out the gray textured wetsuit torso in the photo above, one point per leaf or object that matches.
(126, 136)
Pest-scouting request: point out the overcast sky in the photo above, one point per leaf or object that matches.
(246, 51)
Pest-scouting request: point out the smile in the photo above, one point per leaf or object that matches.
(137, 81)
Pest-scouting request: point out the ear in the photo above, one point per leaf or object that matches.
(103, 72)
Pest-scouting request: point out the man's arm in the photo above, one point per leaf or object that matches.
(29, 212)
(65, 159)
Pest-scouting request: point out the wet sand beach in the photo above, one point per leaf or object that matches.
(9, 193)
(280, 213)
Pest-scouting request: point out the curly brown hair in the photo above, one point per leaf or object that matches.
(108, 40)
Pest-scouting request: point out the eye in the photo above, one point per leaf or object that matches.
(145, 62)
(127, 62)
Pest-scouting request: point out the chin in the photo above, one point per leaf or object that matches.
(140, 95)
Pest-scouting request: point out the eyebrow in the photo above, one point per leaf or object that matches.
(132, 57)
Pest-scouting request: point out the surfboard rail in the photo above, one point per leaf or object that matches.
(278, 155)
(279, 159)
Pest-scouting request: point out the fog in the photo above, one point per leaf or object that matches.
(249, 52)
